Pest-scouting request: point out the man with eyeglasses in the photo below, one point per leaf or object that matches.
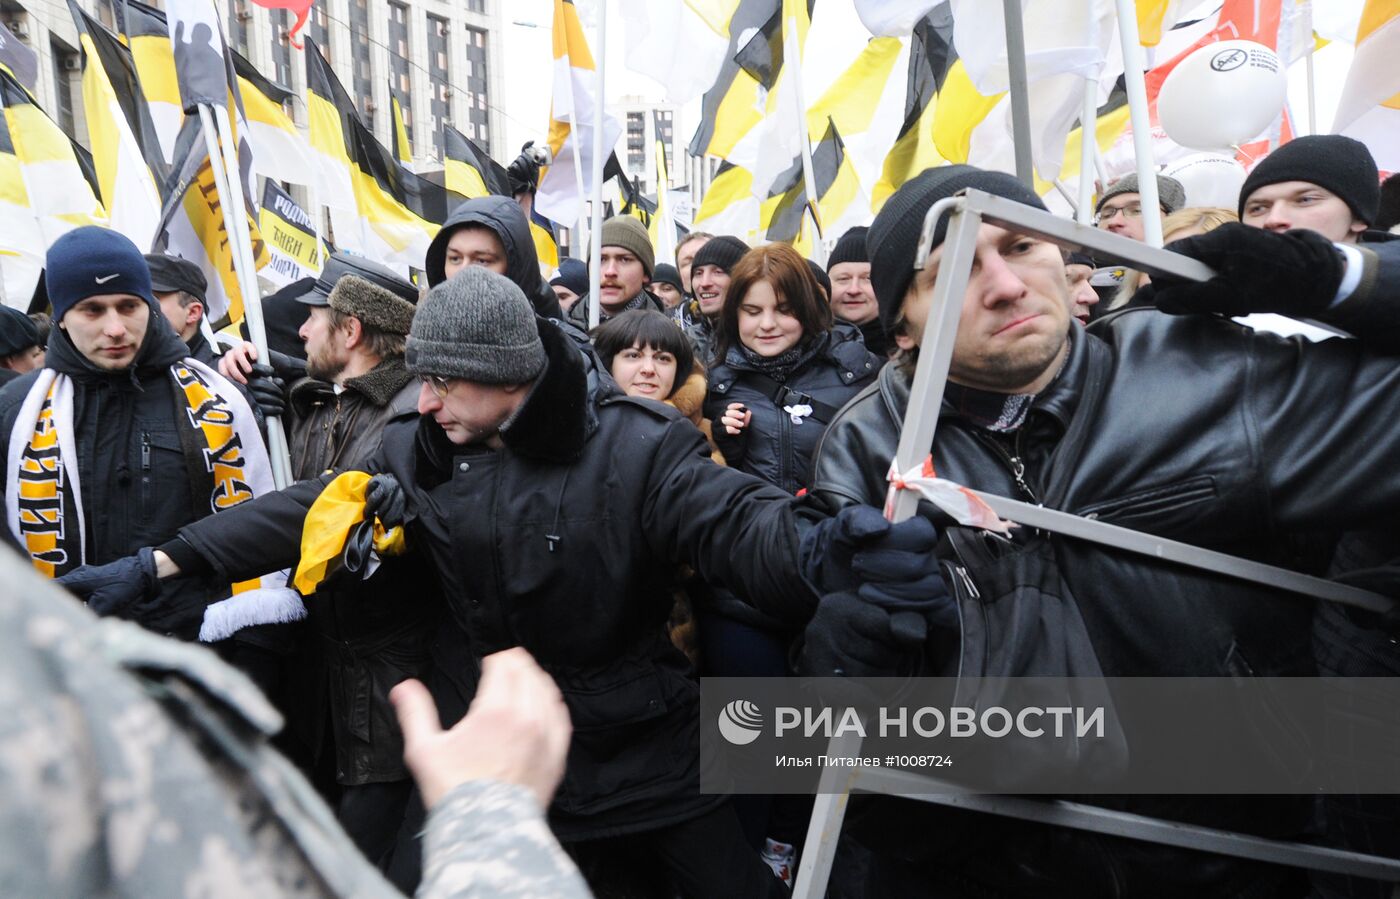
(553, 509)
(1120, 207)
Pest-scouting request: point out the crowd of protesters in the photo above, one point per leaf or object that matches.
(694, 488)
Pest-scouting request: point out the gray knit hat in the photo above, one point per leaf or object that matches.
(630, 234)
(477, 326)
(1169, 191)
(373, 305)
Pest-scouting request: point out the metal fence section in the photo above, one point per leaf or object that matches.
(969, 211)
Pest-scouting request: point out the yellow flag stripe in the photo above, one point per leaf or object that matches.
(569, 39)
(852, 99)
(958, 110)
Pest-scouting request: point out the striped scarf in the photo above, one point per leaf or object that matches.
(224, 454)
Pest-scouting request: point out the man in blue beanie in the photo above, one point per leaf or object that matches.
(120, 439)
(1169, 424)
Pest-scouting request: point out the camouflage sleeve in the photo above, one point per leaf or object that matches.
(487, 838)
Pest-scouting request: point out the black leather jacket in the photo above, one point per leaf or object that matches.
(1199, 430)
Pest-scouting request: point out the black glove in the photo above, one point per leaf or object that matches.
(851, 637)
(110, 588)
(268, 391)
(385, 500)
(900, 574)
(524, 172)
(828, 550)
(1294, 273)
(289, 367)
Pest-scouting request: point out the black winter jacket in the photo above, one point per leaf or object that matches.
(1200, 430)
(136, 487)
(773, 446)
(504, 216)
(566, 542)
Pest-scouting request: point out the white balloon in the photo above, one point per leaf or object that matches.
(1222, 95)
(1210, 179)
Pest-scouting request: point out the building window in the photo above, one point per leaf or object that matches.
(636, 142)
(238, 16)
(399, 76)
(66, 66)
(281, 46)
(440, 76)
(663, 128)
(320, 29)
(476, 6)
(479, 98)
(359, 56)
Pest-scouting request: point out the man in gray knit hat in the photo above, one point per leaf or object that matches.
(553, 509)
(1120, 207)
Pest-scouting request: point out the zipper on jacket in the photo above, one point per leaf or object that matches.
(1014, 463)
(967, 582)
(145, 451)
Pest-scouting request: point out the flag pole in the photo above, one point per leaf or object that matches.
(230, 190)
(581, 225)
(1312, 87)
(1142, 126)
(1020, 101)
(595, 251)
(792, 62)
(1088, 145)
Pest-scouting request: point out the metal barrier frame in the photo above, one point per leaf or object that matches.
(969, 210)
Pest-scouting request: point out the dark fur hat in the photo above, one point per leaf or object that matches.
(374, 306)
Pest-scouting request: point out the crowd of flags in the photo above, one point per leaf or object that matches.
(929, 87)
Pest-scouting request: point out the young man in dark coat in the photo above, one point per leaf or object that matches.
(179, 287)
(1329, 183)
(491, 232)
(135, 470)
(1193, 428)
(553, 509)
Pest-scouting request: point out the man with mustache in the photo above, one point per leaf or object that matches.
(627, 263)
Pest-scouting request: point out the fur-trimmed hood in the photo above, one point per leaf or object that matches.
(689, 398)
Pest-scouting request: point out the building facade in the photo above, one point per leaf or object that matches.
(442, 58)
(643, 123)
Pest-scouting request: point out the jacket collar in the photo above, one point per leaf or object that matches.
(559, 414)
(1058, 400)
(379, 385)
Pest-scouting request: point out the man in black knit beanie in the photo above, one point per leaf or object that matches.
(852, 297)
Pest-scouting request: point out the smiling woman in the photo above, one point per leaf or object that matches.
(647, 354)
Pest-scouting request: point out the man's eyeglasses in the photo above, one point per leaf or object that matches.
(1108, 213)
(440, 386)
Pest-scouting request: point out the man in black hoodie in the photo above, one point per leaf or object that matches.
(491, 232)
(133, 455)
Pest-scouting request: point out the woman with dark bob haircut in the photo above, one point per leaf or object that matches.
(649, 356)
(781, 374)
